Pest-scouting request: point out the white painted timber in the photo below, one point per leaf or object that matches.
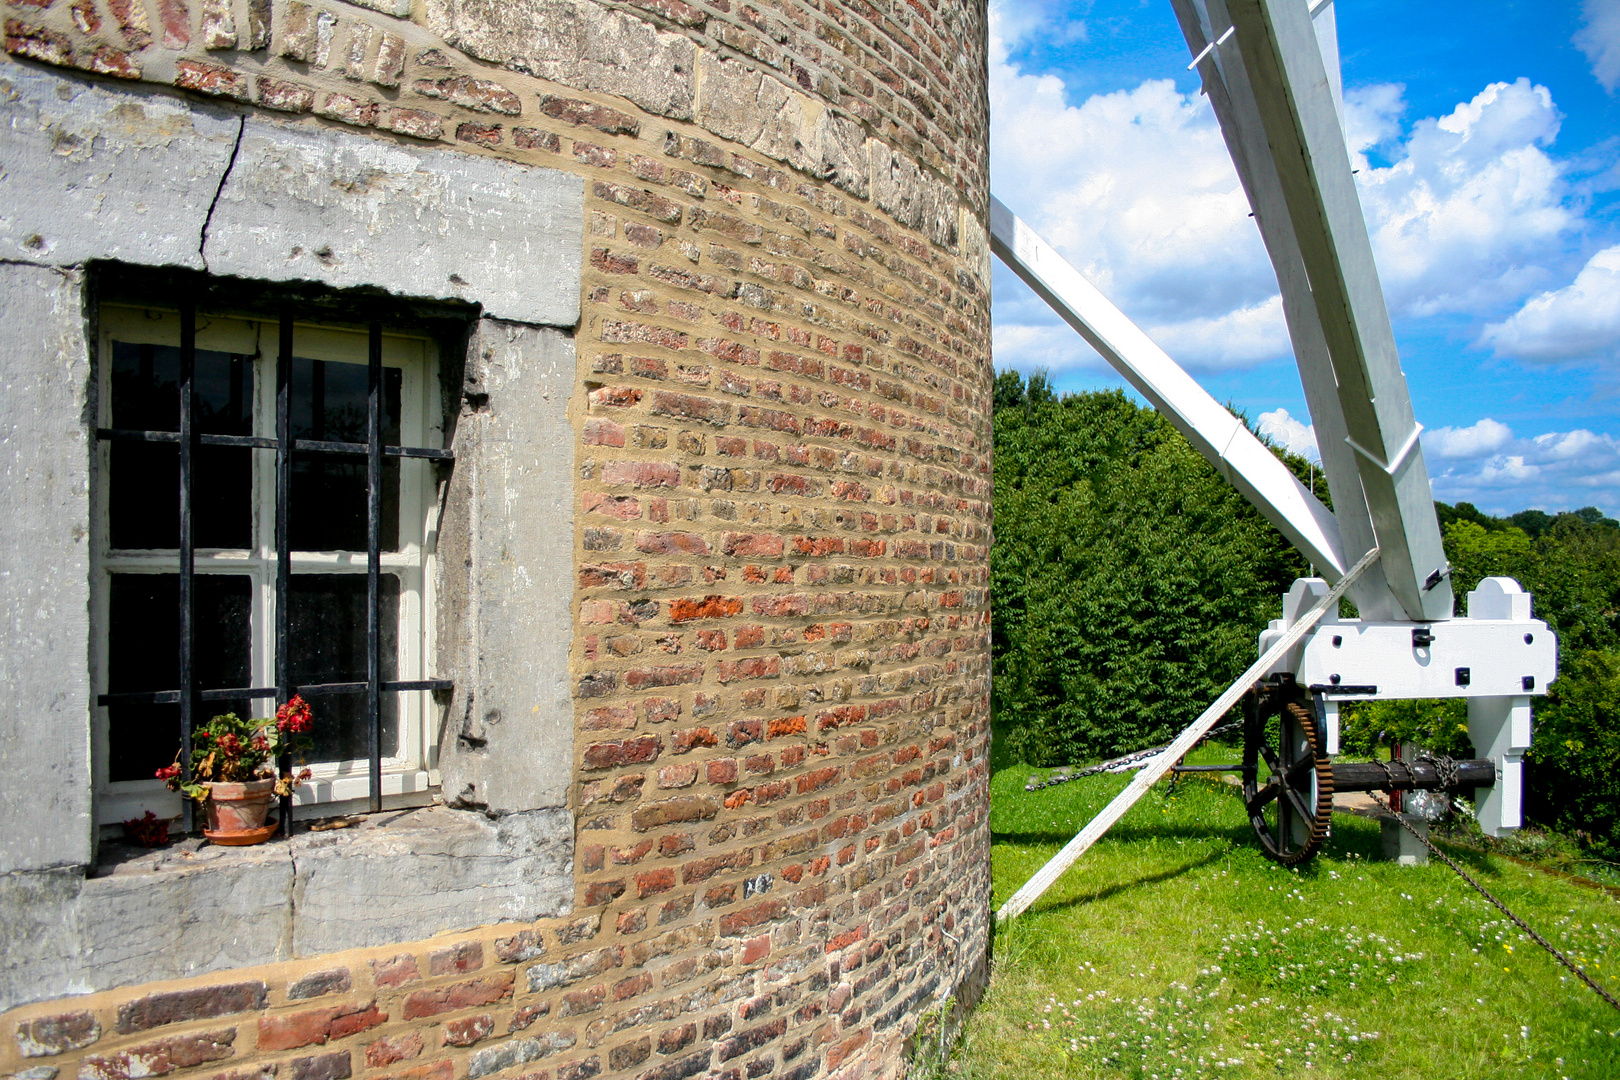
(1304, 142)
(1232, 97)
(1043, 879)
(1219, 436)
(1496, 656)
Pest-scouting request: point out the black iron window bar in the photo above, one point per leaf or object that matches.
(188, 696)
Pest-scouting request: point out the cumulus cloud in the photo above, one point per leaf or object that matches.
(1292, 435)
(1135, 187)
(1472, 206)
(1479, 440)
(1487, 465)
(1581, 321)
(1599, 39)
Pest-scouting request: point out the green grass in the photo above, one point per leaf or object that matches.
(1173, 950)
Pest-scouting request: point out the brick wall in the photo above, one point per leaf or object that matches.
(783, 507)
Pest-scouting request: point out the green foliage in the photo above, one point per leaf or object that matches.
(1129, 580)
(1442, 726)
(1570, 563)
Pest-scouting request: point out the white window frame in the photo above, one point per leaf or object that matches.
(411, 776)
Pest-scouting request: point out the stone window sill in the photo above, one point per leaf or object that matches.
(191, 909)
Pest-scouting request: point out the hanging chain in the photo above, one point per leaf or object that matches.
(1503, 908)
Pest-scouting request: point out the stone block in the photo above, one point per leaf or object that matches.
(505, 619)
(348, 210)
(427, 872)
(1398, 845)
(576, 43)
(45, 482)
(96, 172)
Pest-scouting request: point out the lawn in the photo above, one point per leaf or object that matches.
(1173, 950)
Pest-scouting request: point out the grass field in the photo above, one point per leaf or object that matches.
(1174, 950)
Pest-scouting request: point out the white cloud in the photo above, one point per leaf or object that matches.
(1290, 434)
(1581, 321)
(1483, 438)
(1135, 187)
(1487, 465)
(1599, 39)
(1471, 207)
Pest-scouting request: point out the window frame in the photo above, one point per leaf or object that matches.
(269, 343)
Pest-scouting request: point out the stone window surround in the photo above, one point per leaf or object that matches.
(92, 173)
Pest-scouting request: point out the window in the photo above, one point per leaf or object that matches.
(312, 521)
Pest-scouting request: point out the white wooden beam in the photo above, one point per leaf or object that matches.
(1046, 875)
(1219, 436)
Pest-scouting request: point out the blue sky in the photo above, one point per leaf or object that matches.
(1489, 134)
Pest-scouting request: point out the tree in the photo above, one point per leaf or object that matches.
(1129, 580)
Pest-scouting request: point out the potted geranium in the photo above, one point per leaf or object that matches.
(233, 772)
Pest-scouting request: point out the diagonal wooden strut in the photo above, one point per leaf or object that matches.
(1149, 776)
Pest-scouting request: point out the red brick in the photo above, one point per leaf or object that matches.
(654, 882)
(532, 139)
(416, 123)
(603, 892)
(673, 811)
(394, 1049)
(722, 771)
(677, 776)
(607, 755)
(691, 738)
(197, 1003)
(668, 675)
(708, 607)
(641, 474)
(758, 667)
(436, 1070)
(457, 959)
(106, 60)
(463, 995)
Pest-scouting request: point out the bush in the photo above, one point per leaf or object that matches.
(1128, 579)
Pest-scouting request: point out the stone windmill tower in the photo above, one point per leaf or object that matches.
(585, 406)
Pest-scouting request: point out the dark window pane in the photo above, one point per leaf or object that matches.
(144, 488)
(329, 509)
(327, 644)
(144, 654)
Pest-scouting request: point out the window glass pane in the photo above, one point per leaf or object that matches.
(329, 490)
(327, 644)
(144, 655)
(144, 489)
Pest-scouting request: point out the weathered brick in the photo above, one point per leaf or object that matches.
(194, 1003)
(209, 79)
(462, 995)
(686, 609)
(674, 811)
(468, 1031)
(416, 123)
(47, 1036)
(523, 945)
(480, 95)
(161, 1057)
(317, 983)
(600, 117)
(394, 1049)
(395, 971)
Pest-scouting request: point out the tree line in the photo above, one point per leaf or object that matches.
(1129, 582)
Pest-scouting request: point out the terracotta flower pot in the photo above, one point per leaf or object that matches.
(236, 812)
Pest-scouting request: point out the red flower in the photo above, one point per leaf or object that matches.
(305, 774)
(294, 716)
(168, 772)
(260, 743)
(231, 745)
